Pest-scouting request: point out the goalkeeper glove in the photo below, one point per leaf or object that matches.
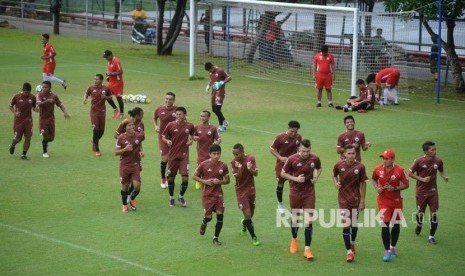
(208, 88)
(217, 85)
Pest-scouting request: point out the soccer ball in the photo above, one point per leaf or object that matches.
(125, 98)
(143, 99)
(39, 88)
(148, 100)
(131, 98)
(138, 97)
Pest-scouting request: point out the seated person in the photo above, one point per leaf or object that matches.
(378, 40)
(364, 102)
(138, 15)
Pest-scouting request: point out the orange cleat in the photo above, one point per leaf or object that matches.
(350, 257)
(293, 246)
(125, 208)
(308, 254)
(133, 204)
(98, 153)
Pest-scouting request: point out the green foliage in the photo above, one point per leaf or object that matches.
(450, 8)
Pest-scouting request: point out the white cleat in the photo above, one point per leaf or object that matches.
(164, 184)
(280, 208)
(45, 155)
(221, 129)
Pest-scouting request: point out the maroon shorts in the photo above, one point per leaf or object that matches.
(47, 130)
(245, 201)
(302, 199)
(98, 122)
(212, 204)
(49, 68)
(181, 165)
(349, 211)
(22, 128)
(431, 200)
(324, 80)
(217, 97)
(390, 210)
(164, 148)
(127, 174)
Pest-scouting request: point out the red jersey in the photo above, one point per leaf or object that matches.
(47, 110)
(394, 177)
(218, 74)
(208, 170)
(114, 66)
(323, 63)
(24, 104)
(296, 166)
(130, 159)
(350, 177)
(207, 136)
(49, 52)
(427, 167)
(97, 95)
(179, 134)
(385, 74)
(285, 145)
(356, 138)
(165, 115)
(246, 183)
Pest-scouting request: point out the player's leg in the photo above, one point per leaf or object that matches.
(217, 110)
(115, 109)
(124, 188)
(280, 187)
(319, 82)
(295, 205)
(346, 222)
(19, 131)
(329, 94)
(394, 95)
(308, 217)
(386, 93)
(421, 203)
(173, 166)
(184, 172)
(164, 149)
(119, 99)
(218, 227)
(433, 207)
(136, 183)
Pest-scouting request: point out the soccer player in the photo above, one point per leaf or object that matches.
(324, 74)
(349, 177)
(244, 168)
(303, 170)
(129, 148)
(21, 105)
(99, 93)
(48, 57)
(46, 101)
(115, 82)
(205, 135)
(364, 102)
(220, 77)
(352, 137)
(387, 79)
(212, 173)
(389, 179)
(284, 145)
(424, 169)
(163, 115)
(178, 136)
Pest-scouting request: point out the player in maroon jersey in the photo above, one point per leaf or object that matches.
(365, 101)
(163, 115)
(349, 177)
(21, 105)
(324, 73)
(244, 168)
(129, 148)
(212, 173)
(352, 137)
(389, 179)
(48, 57)
(99, 94)
(303, 170)
(424, 169)
(46, 102)
(218, 75)
(284, 145)
(178, 136)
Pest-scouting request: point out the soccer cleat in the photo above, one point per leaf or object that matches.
(352, 247)
(171, 202)
(182, 201)
(98, 153)
(163, 183)
(64, 84)
(293, 247)
(220, 129)
(133, 204)
(225, 124)
(340, 107)
(121, 116)
(308, 254)
(255, 241)
(215, 241)
(432, 240)
(125, 208)
(244, 229)
(350, 257)
(12, 149)
(318, 105)
(115, 113)
(45, 155)
(393, 252)
(203, 227)
(418, 230)
(346, 109)
(387, 256)
(331, 105)
(280, 208)
(23, 157)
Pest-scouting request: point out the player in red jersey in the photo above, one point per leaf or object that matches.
(212, 173)
(129, 148)
(424, 169)
(21, 105)
(245, 168)
(388, 78)
(365, 101)
(163, 115)
(349, 177)
(284, 145)
(303, 170)
(48, 57)
(115, 82)
(178, 136)
(99, 94)
(323, 74)
(46, 102)
(389, 179)
(205, 135)
(218, 75)
(351, 137)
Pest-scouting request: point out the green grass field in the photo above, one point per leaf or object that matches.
(62, 215)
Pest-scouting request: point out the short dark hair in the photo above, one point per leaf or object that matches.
(324, 48)
(306, 143)
(349, 146)
(208, 66)
(46, 36)
(171, 94)
(47, 83)
(214, 148)
(359, 81)
(370, 78)
(100, 76)
(208, 113)
(182, 109)
(426, 145)
(238, 146)
(294, 124)
(27, 87)
(135, 111)
(349, 117)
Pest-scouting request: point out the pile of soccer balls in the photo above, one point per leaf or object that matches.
(139, 98)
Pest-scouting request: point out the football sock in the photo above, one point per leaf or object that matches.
(419, 219)
(394, 95)
(163, 169)
(124, 195)
(279, 193)
(353, 233)
(219, 224)
(395, 232)
(346, 237)
(134, 194)
(308, 235)
(95, 139)
(386, 237)
(44, 146)
(206, 220)
(112, 103)
(183, 188)
(249, 225)
(434, 225)
(120, 104)
(294, 231)
(24, 152)
(171, 187)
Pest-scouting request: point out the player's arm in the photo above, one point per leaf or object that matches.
(336, 182)
(415, 176)
(444, 175)
(237, 170)
(121, 151)
(314, 70)
(225, 180)
(252, 167)
(333, 70)
(317, 175)
(339, 149)
(12, 109)
(155, 124)
(62, 107)
(363, 191)
(278, 156)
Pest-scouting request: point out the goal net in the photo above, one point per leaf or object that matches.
(277, 41)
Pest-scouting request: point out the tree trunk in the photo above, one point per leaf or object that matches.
(449, 48)
(161, 19)
(174, 30)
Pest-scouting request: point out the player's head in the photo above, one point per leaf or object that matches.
(349, 153)
(238, 151)
(27, 88)
(214, 151)
(45, 38)
(137, 113)
(379, 31)
(170, 97)
(429, 148)
(349, 120)
(208, 66)
(370, 78)
(324, 49)
(46, 86)
(205, 116)
(108, 54)
(360, 82)
(138, 6)
(293, 128)
(181, 113)
(304, 148)
(128, 125)
(98, 79)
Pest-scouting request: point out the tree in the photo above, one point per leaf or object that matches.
(166, 47)
(428, 10)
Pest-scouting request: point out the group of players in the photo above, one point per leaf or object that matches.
(294, 160)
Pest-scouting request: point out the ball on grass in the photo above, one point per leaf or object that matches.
(39, 88)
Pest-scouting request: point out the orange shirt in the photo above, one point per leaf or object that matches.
(323, 63)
